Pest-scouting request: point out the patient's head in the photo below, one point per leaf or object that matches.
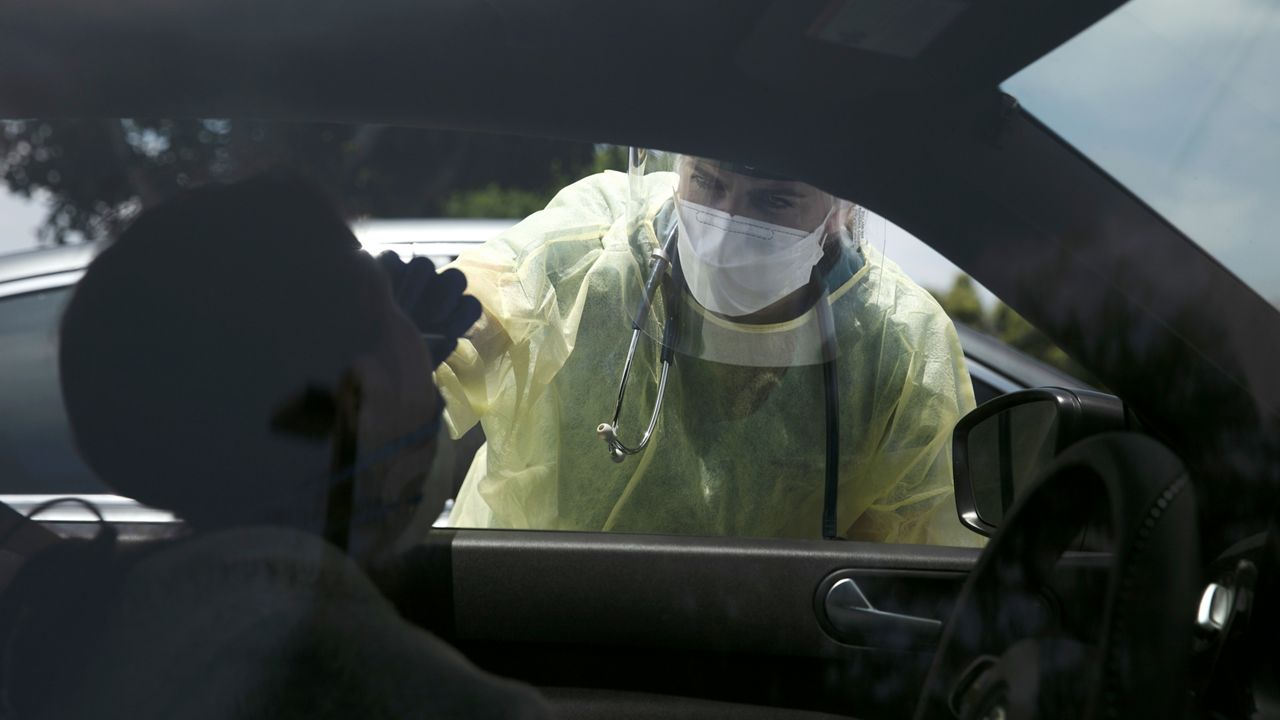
(209, 355)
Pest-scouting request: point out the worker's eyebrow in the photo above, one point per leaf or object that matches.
(788, 190)
(701, 166)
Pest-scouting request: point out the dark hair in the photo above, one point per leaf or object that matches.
(190, 330)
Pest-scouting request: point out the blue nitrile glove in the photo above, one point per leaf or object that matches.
(434, 301)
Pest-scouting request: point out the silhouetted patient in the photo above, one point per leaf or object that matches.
(235, 358)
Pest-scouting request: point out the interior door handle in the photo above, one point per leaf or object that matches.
(856, 622)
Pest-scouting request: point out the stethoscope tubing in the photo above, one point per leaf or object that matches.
(658, 270)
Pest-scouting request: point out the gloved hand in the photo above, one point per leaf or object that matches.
(434, 301)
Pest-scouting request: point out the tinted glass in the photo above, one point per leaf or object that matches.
(1178, 100)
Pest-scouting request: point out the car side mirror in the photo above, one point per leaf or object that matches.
(1003, 445)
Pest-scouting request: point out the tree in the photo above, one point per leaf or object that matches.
(962, 303)
(964, 306)
(99, 173)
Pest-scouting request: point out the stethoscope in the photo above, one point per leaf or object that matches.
(659, 278)
(659, 273)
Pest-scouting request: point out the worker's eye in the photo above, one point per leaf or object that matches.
(774, 203)
(707, 185)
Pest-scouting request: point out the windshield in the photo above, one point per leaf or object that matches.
(1177, 100)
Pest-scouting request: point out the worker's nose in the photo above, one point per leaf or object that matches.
(735, 204)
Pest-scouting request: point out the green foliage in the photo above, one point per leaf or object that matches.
(964, 306)
(610, 157)
(962, 303)
(495, 201)
(99, 173)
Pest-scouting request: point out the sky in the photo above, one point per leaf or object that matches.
(1177, 99)
(19, 218)
(921, 262)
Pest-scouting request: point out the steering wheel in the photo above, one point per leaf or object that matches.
(1122, 650)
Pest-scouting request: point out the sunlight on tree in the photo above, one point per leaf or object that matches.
(962, 303)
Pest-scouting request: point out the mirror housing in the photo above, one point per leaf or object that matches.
(1001, 446)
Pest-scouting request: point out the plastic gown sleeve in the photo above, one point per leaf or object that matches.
(532, 282)
(522, 314)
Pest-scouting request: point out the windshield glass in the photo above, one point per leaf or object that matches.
(1177, 100)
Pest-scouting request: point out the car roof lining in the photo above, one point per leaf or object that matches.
(662, 74)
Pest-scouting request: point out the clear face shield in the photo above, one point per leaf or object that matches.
(741, 268)
(740, 261)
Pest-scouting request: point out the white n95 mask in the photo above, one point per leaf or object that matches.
(736, 266)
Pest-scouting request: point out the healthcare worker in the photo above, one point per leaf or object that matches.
(811, 386)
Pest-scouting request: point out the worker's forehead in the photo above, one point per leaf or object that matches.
(740, 182)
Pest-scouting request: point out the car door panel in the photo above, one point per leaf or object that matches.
(735, 620)
(585, 704)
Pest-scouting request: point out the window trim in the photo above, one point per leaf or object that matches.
(40, 283)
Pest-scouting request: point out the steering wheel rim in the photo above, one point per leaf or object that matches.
(1003, 655)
